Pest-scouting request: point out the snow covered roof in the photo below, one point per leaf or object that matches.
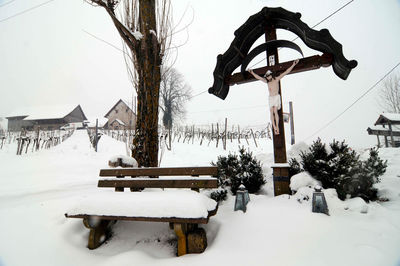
(44, 112)
(386, 117)
(378, 128)
(119, 121)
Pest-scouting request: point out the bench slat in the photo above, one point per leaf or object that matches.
(160, 183)
(161, 171)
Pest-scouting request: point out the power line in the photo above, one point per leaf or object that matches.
(337, 10)
(351, 105)
(26, 10)
(332, 14)
(198, 94)
(94, 36)
(9, 2)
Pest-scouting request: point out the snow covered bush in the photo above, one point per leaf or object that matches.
(234, 170)
(340, 167)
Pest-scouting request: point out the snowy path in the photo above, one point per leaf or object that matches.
(36, 189)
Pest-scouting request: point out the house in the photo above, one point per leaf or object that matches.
(387, 126)
(120, 116)
(45, 117)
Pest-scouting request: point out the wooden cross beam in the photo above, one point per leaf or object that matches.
(305, 64)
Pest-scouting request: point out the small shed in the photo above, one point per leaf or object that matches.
(387, 126)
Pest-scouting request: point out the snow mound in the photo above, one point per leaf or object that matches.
(125, 160)
(303, 179)
(357, 205)
(304, 194)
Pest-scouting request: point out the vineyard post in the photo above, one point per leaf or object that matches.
(226, 129)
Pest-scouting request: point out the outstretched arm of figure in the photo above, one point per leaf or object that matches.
(287, 71)
(257, 76)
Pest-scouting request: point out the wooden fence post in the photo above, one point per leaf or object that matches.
(226, 128)
(96, 132)
(239, 135)
(255, 142)
(217, 134)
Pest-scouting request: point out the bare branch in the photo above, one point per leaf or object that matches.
(389, 96)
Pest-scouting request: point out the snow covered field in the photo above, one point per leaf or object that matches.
(36, 189)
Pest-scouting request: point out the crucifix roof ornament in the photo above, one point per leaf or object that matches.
(276, 18)
(238, 54)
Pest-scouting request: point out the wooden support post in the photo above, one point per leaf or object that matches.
(292, 137)
(391, 134)
(379, 143)
(280, 187)
(100, 231)
(281, 179)
(180, 231)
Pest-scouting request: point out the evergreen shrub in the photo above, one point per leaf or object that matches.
(219, 195)
(340, 167)
(234, 170)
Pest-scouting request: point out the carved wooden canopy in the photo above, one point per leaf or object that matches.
(278, 18)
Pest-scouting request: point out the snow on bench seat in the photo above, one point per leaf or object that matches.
(158, 204)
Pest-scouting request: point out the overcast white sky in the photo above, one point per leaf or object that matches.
(46, 57)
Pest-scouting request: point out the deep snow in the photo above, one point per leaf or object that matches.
(36, 189)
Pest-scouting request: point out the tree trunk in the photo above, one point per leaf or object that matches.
(148, 53)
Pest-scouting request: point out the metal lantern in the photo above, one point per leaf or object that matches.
(242, 198)
(319, 202)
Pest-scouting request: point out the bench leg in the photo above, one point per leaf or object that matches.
(99, 232)
(180, 231)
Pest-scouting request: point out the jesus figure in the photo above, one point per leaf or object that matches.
(274, 96)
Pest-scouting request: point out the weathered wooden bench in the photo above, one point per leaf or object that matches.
(184, 210)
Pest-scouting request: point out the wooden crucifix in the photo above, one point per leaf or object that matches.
(266, 22)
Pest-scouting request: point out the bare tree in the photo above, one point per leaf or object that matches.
(145, 28)
(389, 97)
(174, 92)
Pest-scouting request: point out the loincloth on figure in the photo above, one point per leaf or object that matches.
(275, 101)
